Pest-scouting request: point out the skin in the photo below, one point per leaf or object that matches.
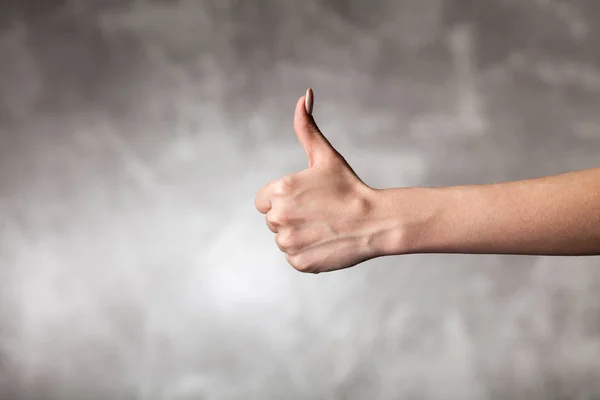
(326, 218)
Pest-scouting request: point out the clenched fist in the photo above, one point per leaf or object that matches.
(324, 218)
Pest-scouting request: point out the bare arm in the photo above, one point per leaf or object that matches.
(555, 215)
(326, 218)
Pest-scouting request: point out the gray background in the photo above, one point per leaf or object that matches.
(135, 134)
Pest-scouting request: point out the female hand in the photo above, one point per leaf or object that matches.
(323, 217)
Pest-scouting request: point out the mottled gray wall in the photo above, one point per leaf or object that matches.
(135, 134)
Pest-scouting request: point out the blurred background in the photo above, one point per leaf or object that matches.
(135, 134)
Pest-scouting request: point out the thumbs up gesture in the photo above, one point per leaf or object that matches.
(323, 217)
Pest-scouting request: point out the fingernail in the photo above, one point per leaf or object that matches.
(308, 102)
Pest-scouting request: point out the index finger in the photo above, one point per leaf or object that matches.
(262, 200)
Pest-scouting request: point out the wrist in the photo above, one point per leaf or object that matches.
(407, 220)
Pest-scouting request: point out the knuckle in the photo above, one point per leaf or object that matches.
(300, 263)
(261, 201)
(282, 248)
(285, 241)
(258, 204)
(271, 227)
(283, 186)
(276, 218)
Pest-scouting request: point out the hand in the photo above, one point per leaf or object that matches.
(323, 217)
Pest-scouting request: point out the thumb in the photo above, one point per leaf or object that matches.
(317, 147)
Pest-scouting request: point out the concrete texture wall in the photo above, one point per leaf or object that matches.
(135, 134)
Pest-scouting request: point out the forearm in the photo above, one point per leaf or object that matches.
(556, 215)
